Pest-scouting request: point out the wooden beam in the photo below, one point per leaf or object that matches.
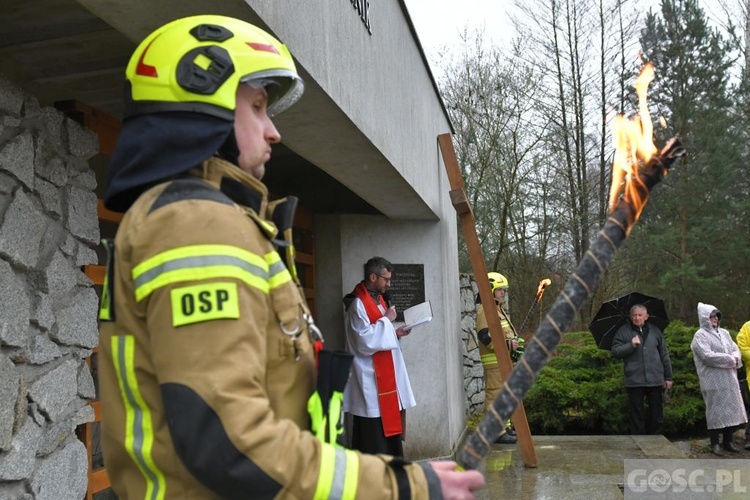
(96, 273)
(105, 214)
(98, 480)
(304, 258)
(468, 225)
(97, 406)
(460, 202)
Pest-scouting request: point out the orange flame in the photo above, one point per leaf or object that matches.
(634, 146)
(542, 284)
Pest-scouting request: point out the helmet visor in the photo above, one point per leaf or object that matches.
(283, 87)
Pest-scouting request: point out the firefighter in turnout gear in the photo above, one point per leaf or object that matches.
(207, 348)
(492, 379)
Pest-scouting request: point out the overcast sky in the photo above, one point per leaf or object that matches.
(439, 23)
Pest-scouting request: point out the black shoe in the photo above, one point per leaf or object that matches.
(506, 439)
(510, 431)
(716, 450)
(731, 447)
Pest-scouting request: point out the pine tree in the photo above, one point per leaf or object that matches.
(684, 248)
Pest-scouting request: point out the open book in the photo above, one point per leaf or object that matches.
(417, 315)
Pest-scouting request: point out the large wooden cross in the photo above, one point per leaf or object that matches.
(466, 216)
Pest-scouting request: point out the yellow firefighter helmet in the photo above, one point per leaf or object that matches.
(196, 63)
(497, 280)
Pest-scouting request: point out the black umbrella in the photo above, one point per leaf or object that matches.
(614, 313)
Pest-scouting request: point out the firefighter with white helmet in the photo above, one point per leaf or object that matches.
(207, 355)
(492, 378)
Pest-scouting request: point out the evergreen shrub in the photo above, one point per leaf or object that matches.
(582, 390)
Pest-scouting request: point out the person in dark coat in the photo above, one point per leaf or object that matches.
(648, 370)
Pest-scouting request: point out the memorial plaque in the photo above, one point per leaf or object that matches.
(407, 287)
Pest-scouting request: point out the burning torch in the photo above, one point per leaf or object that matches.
(641, 166)
(539, 292)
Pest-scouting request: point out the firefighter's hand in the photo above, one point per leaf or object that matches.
(391, 313)
(513, 344)
(402, 331)
(457, 485)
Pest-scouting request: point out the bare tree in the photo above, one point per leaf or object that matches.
(560, 34)
(531, 131)
(581, 49)
(492, 98)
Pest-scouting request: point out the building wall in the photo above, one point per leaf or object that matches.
(434, 352)
(381, 85)
(48, 226)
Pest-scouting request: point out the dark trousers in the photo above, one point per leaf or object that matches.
(726, 432)
(368, 437)
(645, 420)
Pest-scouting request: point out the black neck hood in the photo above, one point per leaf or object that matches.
(153, 148)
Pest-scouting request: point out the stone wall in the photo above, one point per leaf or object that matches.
(473, 379)
(48, 229)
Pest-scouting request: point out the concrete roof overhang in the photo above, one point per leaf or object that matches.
(66, 49)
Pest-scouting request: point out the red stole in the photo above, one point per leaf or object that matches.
(385, 373)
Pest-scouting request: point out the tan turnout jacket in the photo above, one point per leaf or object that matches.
(493, 380)
(203, 393)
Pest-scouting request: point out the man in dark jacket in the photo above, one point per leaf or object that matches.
(648, 370)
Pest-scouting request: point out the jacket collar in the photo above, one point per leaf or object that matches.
(241, 187)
